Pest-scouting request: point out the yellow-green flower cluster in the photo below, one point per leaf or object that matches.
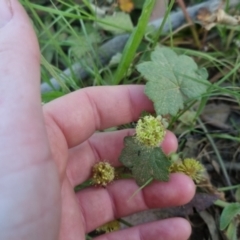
(191, 167)
(150, 131)
(109, 227)
(103, 173)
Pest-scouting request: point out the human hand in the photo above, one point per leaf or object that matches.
(47, 151)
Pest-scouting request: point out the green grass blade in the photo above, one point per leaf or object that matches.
(134, 41)
(159, 31)
(220, 160)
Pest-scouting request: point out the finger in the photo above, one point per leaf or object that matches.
(24, 154)
(71, 227)
(168, 229)
(78, 115)
(104, 147)
(101, 205)
(21, 114)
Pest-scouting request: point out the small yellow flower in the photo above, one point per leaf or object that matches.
(191, 167)
(103, 173)
(150, 131)
(174, 168)
(109, 227)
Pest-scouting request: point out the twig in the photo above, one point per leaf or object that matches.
(189, 20)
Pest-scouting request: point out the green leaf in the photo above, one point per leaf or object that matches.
(172, 80)
(144, 162)
(228, 214)
(47, 97)
(81, 44)
(138, 4)
(232, 230)
(117, 23)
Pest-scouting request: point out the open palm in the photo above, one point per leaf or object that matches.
(47, 151)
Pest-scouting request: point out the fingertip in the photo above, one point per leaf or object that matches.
(5, 13)
(167, 229)
(18, 36)
(170, 143)
(182, 227)
(185, 185)
(173, 228)
(187, 228)
(178, 191)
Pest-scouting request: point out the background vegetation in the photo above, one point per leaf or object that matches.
(71, 32)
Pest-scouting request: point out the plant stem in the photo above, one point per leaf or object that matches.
(159, 31)
(189, 20)
(221, 203)
(139, 189)
(228, 188)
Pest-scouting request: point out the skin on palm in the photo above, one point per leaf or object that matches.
(47, 151)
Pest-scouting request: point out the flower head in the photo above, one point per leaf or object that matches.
(191, 167)
(150, 131)
(103, 173)
(174, 167)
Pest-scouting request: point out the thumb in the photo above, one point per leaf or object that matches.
(20, 106)
(29, 186)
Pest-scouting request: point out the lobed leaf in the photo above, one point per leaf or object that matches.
(144, 162)
(117, 23)
(172, 80)
(228, 214)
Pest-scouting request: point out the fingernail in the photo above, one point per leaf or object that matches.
(5, 12)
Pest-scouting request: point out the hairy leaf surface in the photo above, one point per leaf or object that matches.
(228, 214)
(172, 80)
(144, 162)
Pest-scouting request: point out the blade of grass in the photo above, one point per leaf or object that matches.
(220, 160)
(227, 76)
(134, 41)
(221, 203)
(51, 10)
(226, 136)
(48, 32)
(159, 31)
(53, 72)
(192, 26)
(228, 188)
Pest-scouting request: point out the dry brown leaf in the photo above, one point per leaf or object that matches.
(210, 20)
(207, 19)
(217, 115)
(126, 5)
(226, 19)
(200, 202)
